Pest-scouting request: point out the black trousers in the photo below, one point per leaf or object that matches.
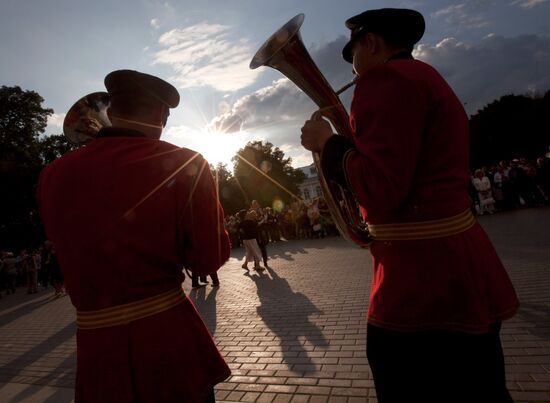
(263, 249)
(437, 366)
(195, 278)
(211, 397)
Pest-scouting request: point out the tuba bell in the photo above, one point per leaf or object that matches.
(285, 51)
(86, 117)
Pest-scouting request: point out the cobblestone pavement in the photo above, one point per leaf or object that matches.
(295, 332)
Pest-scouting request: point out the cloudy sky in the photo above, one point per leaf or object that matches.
(64, 48)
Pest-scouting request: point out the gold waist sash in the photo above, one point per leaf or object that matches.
(126, 313)
(423, 229)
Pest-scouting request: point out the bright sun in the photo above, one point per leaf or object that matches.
(219, 147)
(215, 146)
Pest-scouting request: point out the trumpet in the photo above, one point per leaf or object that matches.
(285, 51)
(86, 117)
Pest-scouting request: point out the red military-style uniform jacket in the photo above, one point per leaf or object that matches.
(126, 214)
(408, 162)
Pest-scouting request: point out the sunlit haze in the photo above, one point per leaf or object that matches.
(216, 147)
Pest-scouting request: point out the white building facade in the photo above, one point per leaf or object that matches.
(310, 188)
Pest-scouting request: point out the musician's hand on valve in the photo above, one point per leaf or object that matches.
(315, 133)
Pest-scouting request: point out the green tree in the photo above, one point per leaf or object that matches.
(230, 195)
(265, 175)
(513, 126)
(22, 121)
(53, 147)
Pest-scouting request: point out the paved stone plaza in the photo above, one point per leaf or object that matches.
(296, 332)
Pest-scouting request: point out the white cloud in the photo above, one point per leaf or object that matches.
(277, 112)
(300, 156)
(274, 113)
(483, 72)
(56, 120)
(466, 14)
(155, 23)
(282, 102)
(527, 3)
(300, 159)
(206, 55)
(54, 124)
(479, 73)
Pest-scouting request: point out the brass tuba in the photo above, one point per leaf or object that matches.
(86, 117)
(285, 51)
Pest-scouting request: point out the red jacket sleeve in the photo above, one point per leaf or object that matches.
(205, 241)
(388, 116)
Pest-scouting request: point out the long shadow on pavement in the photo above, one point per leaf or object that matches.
(287, 313)
(12, 368)
(35, 301)
(282, 249)
(537, 314)
(286, 250)
(206, 305)
(62, 377)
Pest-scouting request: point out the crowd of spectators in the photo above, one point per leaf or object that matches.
(510, 185)
(519, 183)
(34, 269)
(299, 220)
(507, 185)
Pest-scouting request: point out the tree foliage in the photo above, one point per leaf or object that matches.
(510, 127)
(265, 175)
(513, 126)
(23, 153)
(230, 194)
(53, 147)
(22, 120)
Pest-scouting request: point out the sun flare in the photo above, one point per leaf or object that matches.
(215, 146)
(218, 147)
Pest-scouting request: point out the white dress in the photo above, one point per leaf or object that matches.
(483, 187)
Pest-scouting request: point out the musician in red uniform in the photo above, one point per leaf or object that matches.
(439, 291)
(126, 213)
